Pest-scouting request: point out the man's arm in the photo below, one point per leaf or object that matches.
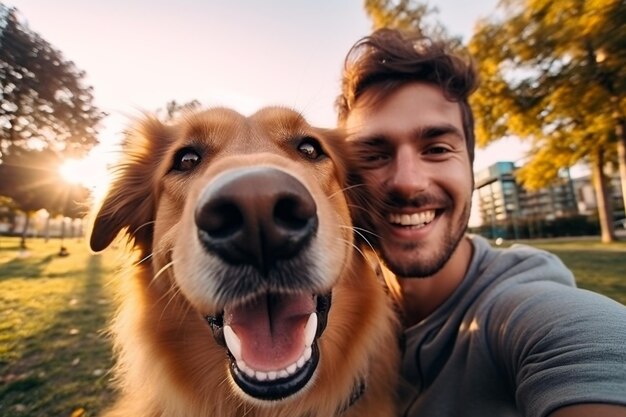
(564, 349)
(590, 410)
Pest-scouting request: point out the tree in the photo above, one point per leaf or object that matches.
(173, 109)
(43, 98)
(554, 73)
(72, 201)
(31, 178)
(413, 15)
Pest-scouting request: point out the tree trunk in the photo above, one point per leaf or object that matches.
(25, 231)
(47, 229)
(605, 214)
(63, 250)
(62, 231)
(620, 130)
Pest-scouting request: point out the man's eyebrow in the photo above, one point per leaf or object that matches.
(435, 131)
(369, 141)
(372, 141)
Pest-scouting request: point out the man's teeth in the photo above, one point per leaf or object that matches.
(234, 346)
(415, 219)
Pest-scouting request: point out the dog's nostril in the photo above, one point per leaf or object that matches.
(228, 220)
(220, 219)
(291, 213)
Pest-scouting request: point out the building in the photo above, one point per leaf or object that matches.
(586, 196)
(508, 210)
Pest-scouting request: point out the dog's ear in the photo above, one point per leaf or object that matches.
(131, 199)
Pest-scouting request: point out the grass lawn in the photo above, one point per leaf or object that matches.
(55, 359)
(598, 267)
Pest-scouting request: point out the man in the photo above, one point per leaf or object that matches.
(488, 332)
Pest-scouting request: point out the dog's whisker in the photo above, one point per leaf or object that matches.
(367, 242)
(183, 317)
(165, 294)
(145, 258)
(173, 296)
(361, 229)
(144, 225)
(351, 244)
(168, 293)
(152, 255)
(161, 271)
(358, 207)
(344, 189)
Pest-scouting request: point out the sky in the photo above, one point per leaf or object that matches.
(244, 54)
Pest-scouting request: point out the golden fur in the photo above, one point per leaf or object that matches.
(169, 364)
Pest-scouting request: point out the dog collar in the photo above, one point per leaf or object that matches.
(357, 392)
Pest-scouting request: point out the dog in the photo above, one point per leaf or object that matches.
(249, 296)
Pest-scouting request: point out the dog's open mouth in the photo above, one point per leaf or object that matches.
(272, 342)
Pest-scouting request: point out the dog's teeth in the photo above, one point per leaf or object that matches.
(245, 369)
(291, 369)
(310, 330)
(233, 342)
(235, 346)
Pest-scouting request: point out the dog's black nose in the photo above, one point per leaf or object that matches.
(256, 216)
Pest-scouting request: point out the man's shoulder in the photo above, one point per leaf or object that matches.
(517, 264)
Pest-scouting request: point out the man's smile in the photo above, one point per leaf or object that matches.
(419, 219)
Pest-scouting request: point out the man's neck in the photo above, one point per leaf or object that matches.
(422, 296)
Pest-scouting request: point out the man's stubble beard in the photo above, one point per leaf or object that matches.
(424, 268)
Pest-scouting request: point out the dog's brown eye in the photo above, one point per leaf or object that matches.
(310, 148)
(186, 159)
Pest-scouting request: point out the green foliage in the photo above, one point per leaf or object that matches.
(43, 99)
(412, 15)
(553, 73)
(174, 109)
(402, 14)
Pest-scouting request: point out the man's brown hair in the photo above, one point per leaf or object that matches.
(388, 59)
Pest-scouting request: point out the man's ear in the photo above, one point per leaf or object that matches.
(131, 199)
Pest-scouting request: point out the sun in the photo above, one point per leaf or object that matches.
(90, 172)
(72, 171)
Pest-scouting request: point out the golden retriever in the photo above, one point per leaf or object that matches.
(249, 296)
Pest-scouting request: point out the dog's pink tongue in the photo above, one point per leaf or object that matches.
(271, 329)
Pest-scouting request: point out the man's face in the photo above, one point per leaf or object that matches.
(412, 150)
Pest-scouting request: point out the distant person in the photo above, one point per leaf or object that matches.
(488, 332)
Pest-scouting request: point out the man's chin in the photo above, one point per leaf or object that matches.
(412, 268)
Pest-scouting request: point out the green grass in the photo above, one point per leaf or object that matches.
(598, 267)
(55, 359)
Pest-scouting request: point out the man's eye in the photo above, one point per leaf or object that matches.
(437, 150)
(373, 159)
(186, 159)
(376, 157)
(310, 148)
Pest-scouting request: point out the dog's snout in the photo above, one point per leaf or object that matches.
(256, 216)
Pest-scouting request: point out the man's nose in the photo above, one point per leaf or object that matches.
(409, 176)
